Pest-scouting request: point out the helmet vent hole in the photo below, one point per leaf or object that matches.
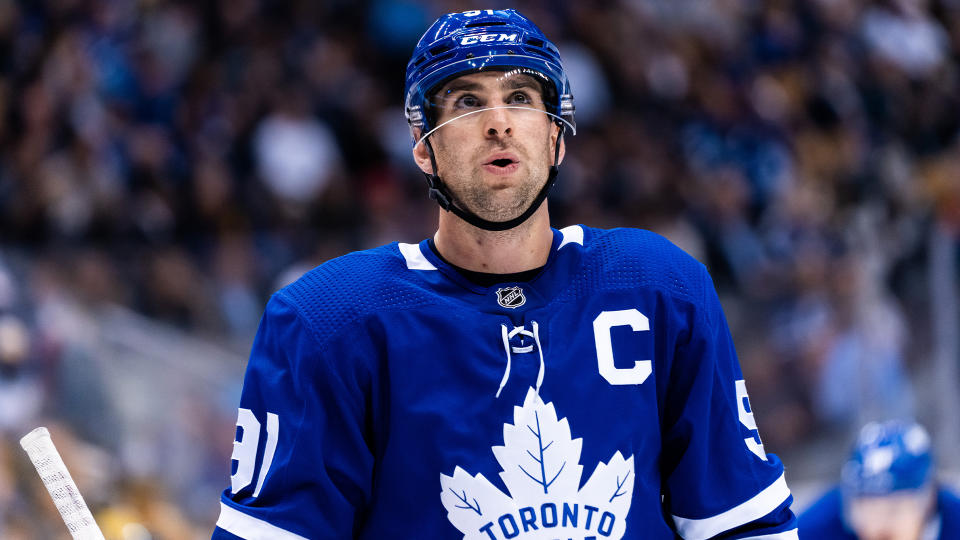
(535, 42)
(440, 49)
(540, 53)
(438, 59)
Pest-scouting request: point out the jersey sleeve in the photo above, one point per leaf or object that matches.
(718, 480)
(301, 464)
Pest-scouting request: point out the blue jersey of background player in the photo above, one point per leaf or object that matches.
(887, 492)
(502, 379)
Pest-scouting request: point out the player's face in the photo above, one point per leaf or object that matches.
(890, 517)
(495, 144)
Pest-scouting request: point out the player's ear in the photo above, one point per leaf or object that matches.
(421, 156)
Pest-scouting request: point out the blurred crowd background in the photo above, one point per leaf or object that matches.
(166, 165)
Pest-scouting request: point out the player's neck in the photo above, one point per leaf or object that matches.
(524, 247)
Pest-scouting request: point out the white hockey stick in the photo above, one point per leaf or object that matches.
(62, 490)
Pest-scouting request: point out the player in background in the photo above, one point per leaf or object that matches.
(502, 379)
(887, 492)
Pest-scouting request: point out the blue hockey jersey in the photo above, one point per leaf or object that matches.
(389, 397)
(823, 520)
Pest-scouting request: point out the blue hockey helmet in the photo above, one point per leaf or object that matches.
(888, 457)
(483, 40)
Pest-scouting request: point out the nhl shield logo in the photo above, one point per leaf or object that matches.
(511, 297)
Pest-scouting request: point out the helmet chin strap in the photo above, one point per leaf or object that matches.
(439, 192)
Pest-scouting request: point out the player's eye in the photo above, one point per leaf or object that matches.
(520, 98)
(467, 101)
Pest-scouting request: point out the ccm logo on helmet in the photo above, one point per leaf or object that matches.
(487, 38)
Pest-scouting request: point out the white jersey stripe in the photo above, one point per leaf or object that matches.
(784, 535)
(571, 235)
(760, 505)
(414, 257)
(250, 528)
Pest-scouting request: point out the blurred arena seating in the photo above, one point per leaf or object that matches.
(166, 165)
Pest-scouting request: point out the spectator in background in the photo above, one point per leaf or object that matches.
(861, 375)
(888, 491)
(296, 154)
(903, 33)
(21, 390)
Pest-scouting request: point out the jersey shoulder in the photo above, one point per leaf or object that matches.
(626, 257)
(350, 287)
(823, 519)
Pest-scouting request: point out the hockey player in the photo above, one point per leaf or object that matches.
(502, 379)
(887, 492)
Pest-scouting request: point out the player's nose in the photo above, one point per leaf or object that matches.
(497, 122)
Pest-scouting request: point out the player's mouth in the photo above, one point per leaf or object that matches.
(501, 163)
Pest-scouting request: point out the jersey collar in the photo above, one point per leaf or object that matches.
(565, 251)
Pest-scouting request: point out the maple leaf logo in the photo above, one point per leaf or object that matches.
(541, 469)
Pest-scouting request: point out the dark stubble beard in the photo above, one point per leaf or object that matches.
(496, 204)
